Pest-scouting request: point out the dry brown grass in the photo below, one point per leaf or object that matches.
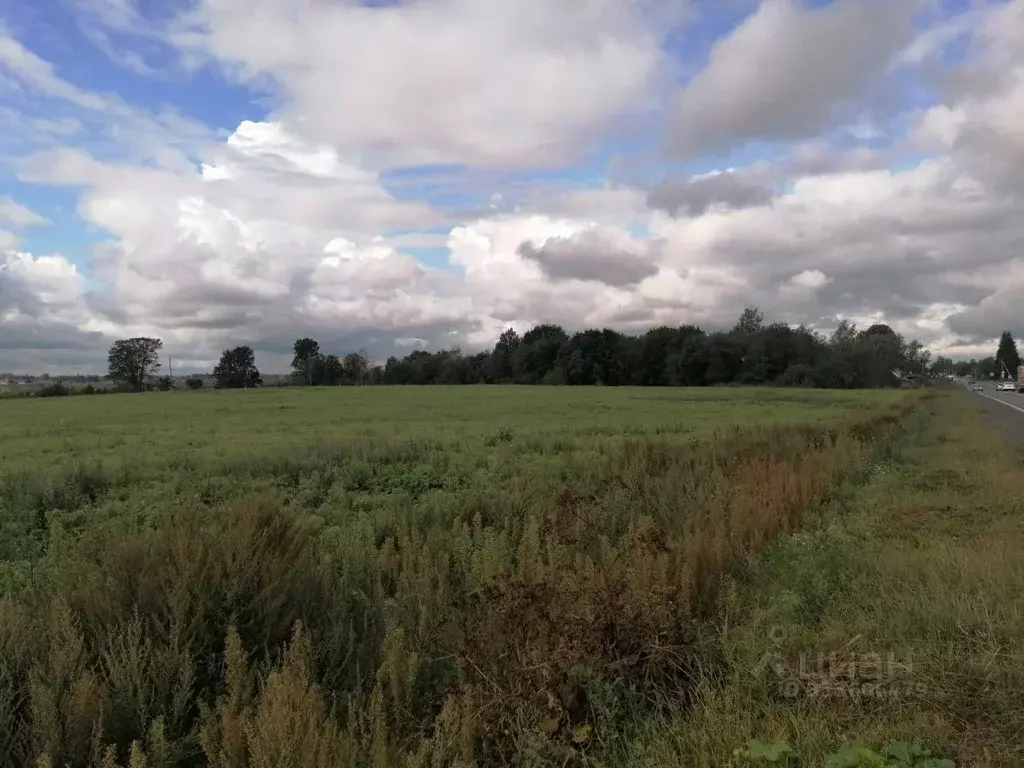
(923, 559)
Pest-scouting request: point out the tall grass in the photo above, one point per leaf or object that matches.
(902, 594)
(379, 606)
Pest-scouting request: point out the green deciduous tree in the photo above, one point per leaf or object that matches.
(355, 365)
(334, 371)
(307, 363)
(132, 361)
(503, 356)
(237, 369)
(751, 321)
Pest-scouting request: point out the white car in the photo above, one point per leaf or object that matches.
(1006, 386)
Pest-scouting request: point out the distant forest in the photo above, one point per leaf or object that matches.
(750, 353)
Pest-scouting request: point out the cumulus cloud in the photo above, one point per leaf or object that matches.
(809, 278)
(43, 317)
(788, 72)
(295, 224)
(443, 81)
(593, 255)
(696, 195)
(271, 232)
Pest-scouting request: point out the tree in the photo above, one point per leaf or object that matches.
(355, 365)
(307, 360)
(503, 356)
(880, 329)
(1007, 355)
(750, 321)
(194, 383)
(843, 336)
(334, 371)
(537, 353)
(132, 361)
(237, 369)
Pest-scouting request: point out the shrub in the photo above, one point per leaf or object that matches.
(56, 389)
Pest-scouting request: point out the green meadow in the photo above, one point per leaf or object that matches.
(439, 576)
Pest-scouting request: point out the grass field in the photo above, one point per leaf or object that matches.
(214, 425)
(453, 576)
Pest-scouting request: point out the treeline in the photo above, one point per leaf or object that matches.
(750, 353)
(1004, 364)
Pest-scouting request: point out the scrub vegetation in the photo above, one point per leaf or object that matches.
(499, 576)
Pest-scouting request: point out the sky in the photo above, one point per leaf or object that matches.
(390, 175)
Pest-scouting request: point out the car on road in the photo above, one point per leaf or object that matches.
(1006, 386)
(977, 388)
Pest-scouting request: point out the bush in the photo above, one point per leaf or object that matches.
(194, 383)
(57, 389)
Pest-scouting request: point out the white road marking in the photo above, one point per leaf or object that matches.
(996, 399)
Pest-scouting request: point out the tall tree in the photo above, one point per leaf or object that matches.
(843, 336)
(334, 371)
(538, 353)
(132, 361)
(751, 321)
(355, 365)
(307, 360)
(503, 356)
(943, 365)
(237, 369)
(880, 329)
(1007, 355)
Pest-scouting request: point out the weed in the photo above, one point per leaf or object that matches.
(455, 594)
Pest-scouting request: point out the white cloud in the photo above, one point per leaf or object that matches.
(289, 226)
(14, 214)
(787, 72)
(809, 278)
(107, 122)
(39, 74)
(447, 80)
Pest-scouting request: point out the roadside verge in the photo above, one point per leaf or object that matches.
(897, 614)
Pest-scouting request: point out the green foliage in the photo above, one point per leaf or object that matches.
(1007, 357)
(132, 361)
(751, 353)
(896, 754)
(775, 753)
(237, 369)
(56, 389)
(306, 361)
(433, 598)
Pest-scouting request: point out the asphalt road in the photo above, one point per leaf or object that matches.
(1006, 409)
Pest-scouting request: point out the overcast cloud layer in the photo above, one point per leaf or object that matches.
(427, 173)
